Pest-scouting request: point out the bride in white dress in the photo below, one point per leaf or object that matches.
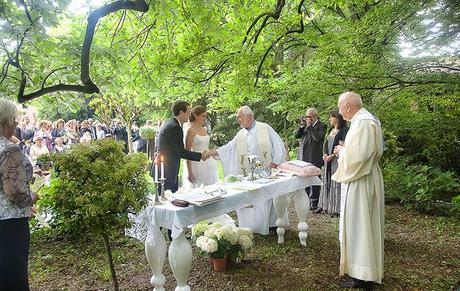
(202, 172)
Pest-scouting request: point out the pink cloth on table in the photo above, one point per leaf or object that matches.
(305, 171)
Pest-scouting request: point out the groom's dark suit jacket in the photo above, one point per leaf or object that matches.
(170, 145)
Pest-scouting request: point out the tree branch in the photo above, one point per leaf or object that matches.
(26, 10)
(88, 85)
(93, 19)
(298, 30)
(120, 23)
(5, 67)
(267, 15)
(46, 78)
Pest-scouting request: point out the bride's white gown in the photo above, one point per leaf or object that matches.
(205, 173)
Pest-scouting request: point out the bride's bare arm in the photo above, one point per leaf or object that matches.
(188, 145)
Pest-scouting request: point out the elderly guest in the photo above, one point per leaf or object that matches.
(311, 134)
(16, 200)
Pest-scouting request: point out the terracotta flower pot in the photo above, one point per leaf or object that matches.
(220, 264)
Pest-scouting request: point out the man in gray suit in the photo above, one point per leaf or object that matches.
(311, 132)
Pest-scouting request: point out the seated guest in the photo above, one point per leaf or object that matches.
(59, 145)
(100, 133)
(86, 138)
(37, 150)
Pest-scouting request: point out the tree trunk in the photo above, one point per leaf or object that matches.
(130, 137)
(109, 256)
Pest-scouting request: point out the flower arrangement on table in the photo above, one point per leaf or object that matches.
(222, 241)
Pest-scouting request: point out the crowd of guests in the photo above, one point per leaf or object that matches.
(44, 137)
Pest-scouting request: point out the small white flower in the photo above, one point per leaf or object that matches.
(200, 228)
(211, 232)
(245, 231)
(228, 233)
(245, 242)
(206, 244)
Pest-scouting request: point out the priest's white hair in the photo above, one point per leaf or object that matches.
(246, 111)
(352, 98)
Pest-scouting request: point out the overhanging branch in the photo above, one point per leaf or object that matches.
(88, 85)
(274, 43)
(266, 16)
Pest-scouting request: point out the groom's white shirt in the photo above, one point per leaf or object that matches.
(262, 216)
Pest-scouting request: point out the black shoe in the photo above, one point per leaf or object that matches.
(318, 210)
(272, 229)
(357, 284)
(313, 208)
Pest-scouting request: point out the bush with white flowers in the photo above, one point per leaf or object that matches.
(219, 241)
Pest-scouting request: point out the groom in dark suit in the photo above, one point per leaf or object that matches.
(170, 144)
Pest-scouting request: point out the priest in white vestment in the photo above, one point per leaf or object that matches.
(362, 215)
(254, 138)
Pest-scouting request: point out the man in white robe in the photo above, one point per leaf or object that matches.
(362, 216)
(254, 138)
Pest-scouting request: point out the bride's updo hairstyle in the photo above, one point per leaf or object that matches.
(197, 110)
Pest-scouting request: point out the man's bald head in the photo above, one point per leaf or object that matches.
(349, 103)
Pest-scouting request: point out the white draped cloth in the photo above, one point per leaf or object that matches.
(362, 215)
(205, 173)
(262, 215)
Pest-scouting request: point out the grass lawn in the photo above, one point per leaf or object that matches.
(421, 253)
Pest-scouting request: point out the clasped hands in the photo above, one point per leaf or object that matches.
(206, 154)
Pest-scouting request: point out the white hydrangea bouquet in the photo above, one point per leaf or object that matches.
(220, 241)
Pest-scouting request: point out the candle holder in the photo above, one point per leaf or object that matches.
(162, 189)
(157, 197)
(160, 197)
(252, 163)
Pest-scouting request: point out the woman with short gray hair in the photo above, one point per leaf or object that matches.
(16, 200)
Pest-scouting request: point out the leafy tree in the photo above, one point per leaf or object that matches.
(95, 188)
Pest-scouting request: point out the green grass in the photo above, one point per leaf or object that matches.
(421, 253)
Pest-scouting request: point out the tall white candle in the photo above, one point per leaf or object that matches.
(156, 172)
(162, 168)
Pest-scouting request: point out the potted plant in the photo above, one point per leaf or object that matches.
(221, 242)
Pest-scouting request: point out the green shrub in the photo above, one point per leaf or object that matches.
(455, 210)
(419, 186)
(95, 187)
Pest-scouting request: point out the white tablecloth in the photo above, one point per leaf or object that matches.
(177, 218)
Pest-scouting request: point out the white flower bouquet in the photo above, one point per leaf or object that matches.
(219, 241)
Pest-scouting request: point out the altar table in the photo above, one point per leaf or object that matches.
(239, 195)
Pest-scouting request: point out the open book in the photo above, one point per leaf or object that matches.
(199, 198)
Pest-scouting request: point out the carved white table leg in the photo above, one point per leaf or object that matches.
(180, 259)
(302, 203)
(155, 250)
(280, 204)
